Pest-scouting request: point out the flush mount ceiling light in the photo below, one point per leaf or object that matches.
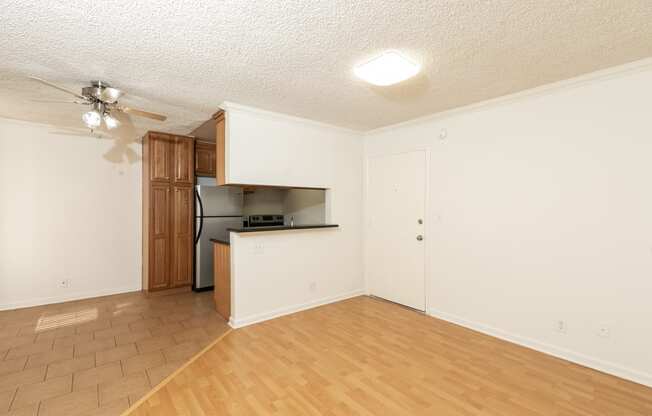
(389, 68)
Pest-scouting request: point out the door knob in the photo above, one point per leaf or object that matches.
(419, 237)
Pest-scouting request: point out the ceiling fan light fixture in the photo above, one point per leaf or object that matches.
(104, 99)
(92, 119)
(110, 121)
(387, 69)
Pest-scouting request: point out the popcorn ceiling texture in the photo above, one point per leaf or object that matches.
(184, 57)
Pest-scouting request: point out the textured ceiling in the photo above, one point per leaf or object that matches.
(184, 57)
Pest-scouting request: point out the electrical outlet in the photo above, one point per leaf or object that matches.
(604, 331)
(313, 286)
(560, 326)
(259, 248)
(64, 283)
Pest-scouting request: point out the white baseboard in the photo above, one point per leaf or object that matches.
(563, 353)
(66, 297)
(260, 317)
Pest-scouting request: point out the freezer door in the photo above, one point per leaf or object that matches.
(219, 200)
(213, 228)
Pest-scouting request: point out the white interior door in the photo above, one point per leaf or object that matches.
(396, 207)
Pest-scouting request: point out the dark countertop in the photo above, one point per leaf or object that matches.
(221, 241)
(274, 228)
(280, 228)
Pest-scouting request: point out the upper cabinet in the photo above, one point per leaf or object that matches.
(171, 158)
(220, 147)
(161, 149)
(184, 156)
(205, 164)
(210, 154)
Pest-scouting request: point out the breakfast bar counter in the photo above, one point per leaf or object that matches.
(250, 268)
(281, 228)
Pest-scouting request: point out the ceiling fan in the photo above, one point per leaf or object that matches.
(103, 100)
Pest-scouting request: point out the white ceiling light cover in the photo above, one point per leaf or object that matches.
(389, 68)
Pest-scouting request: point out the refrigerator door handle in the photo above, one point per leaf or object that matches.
(201, 216)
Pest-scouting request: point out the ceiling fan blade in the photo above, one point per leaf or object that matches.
(142, 113)
(49, 84)
(59, 102)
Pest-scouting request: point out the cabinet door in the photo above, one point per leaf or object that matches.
(159, 245)
(183, 236)
(222, 276)
(220, 149)
(204, 159)
(184, 165)
(160, 157)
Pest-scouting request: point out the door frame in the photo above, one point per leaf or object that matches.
(426, 219)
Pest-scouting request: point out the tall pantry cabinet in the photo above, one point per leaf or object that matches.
(168, 210)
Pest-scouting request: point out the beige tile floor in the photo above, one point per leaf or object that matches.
(97, 356)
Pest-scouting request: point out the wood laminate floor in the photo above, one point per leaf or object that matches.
(364, 356)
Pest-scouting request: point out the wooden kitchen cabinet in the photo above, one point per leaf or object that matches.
(182, 235)
(222, 279)
(205, 164)
(168, 210)
(184, 160)
(160, 157)
(220, 147)
(159, 238)
(210, 154)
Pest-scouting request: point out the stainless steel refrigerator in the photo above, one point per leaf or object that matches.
(217, 208)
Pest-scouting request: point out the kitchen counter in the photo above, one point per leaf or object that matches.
(221, 241)
(273, 228)
(224, 280)
(280, 228)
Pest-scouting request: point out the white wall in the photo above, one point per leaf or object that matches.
(280, 272)
(540, 210)
(66, 212)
